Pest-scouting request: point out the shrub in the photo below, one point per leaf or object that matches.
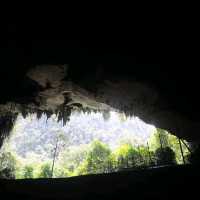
(165, 156)
(127, 156)
(7, 165)
(60, 172)
(45, 171)
(27, 172)
(97, 157)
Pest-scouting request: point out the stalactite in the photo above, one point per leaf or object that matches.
(66, 115)
(6, 124)
(57, 112)
(23, 112)
(39, 114)
(48, 114)
(60, 117)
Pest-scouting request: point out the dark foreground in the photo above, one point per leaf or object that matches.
(178, 182)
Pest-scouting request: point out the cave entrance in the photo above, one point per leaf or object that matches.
(89, 143)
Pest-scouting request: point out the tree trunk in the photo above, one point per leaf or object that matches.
(179, 140)
(161, 145)
(54, 157)
(149, 153)
(186, 146)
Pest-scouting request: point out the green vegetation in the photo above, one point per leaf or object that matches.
(127, 156)
(28, 171)
(96, 157)
(7, 165)
(165, 156)
(162, 139)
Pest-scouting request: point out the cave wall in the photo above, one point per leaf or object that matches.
(155, 94)
(157, 82)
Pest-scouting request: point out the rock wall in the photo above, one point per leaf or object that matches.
(61, 89)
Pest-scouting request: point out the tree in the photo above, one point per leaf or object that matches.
(7, 165)
(175, 146)
(97, 157)
(82, 169)
(111, 164)
(147, 156)
(45, 171)
(72, 157)
(165, 156)
(159, 139)
(60, 142)
(27, 172)
(60, 172)
(127, 156)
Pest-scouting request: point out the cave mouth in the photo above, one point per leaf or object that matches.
(89, 143)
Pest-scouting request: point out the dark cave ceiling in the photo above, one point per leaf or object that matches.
(35, 78)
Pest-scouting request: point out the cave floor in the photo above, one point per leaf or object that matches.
(175, 182)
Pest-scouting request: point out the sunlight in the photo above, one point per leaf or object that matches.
(87, 144)
(81, 129)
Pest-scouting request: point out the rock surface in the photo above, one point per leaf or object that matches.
(55, 91)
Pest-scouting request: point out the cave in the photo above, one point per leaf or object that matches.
(62, 76)
(88, 144)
